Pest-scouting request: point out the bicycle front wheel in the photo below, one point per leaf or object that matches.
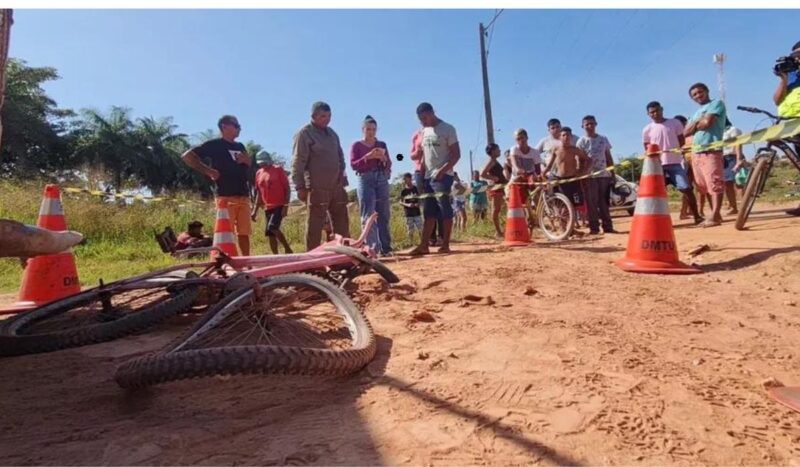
(288, 324)
(556, 216)
(97, 315)
(755, 185)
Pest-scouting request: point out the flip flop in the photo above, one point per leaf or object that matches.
(417, 252)
(707, 224)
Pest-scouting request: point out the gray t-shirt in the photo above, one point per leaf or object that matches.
(436, 142)
(596, 149)
(547, 145)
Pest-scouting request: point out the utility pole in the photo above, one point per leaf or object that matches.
(470, 164)
(487, 102)
(719, 60)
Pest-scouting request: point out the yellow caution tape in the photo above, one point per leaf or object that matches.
(783, 130)
(136, 197)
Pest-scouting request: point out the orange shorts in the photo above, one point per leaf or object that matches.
(239, 212)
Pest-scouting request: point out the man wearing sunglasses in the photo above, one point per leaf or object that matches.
(229, 169)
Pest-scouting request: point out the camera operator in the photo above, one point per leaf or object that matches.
(787, 95)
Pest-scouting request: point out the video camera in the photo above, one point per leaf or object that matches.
(785, 64)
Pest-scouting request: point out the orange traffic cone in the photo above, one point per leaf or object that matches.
(516, 222)
(48, 277)
(651, 244)
(223, 232)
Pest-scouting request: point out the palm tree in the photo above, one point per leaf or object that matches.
(109, 140)
(157, 159)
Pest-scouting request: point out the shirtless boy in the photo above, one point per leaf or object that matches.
(570, 162)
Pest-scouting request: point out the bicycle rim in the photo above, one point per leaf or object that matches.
(289, 324)
(556, 217)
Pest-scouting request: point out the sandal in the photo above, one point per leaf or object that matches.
(418, 252)
(709, 223)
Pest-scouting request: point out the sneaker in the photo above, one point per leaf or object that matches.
(611, 231)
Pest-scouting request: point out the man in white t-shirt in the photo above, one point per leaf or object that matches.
(549, 143)
(440, 152)
(526, 163)
(667, 133)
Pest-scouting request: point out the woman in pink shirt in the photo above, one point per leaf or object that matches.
(369, 158)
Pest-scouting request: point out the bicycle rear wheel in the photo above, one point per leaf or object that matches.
(556, 216)
(288, 324)
(373, 264)
(97, 315)
(755, 185)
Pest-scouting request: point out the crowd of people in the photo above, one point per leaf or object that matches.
(434, 198)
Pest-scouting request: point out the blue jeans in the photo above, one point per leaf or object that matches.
(439, 207)
(419, 181)
(373, 196)
(675, 175)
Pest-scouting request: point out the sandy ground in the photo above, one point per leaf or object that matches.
(547, 354)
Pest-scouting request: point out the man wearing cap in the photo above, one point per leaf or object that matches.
(272, 192)
(441, 152)
(318, 175)
(229, 168)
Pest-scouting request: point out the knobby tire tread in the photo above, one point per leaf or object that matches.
(253, 359)
(15, 345)
(752, 190)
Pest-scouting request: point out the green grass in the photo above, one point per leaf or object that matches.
(120, 237)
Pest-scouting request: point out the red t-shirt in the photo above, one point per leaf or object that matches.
(273, 186)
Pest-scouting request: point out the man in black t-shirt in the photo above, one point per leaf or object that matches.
(411, 206)
(229, 169)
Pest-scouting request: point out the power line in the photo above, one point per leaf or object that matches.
(496, 14)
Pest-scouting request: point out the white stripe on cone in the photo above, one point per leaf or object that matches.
(652, 206)
(516, 212)
(224, 237)
(652, 166)
(51, 207)
(222, 213)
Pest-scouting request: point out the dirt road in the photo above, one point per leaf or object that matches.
(548, 354)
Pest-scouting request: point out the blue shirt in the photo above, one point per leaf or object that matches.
(794, 81)
(714, 132)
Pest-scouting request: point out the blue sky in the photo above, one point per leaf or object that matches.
(268, 66)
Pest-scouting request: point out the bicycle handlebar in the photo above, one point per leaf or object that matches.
(756, 110)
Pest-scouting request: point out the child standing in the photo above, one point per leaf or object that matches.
(273, 194)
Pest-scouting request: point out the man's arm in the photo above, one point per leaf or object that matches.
(342, 163)
(191, 159)
(300, 153)
(553, 156)
(584, 160)
(782, 89)
(609, 158)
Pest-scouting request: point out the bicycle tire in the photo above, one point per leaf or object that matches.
(180, 362)
(755, 185)
(553, 201)
(18, 337)
(376, 265)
